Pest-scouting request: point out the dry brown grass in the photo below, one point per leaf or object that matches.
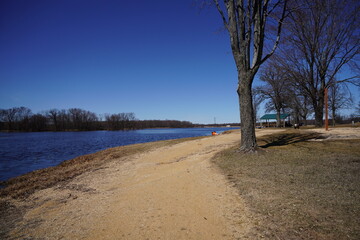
(25, 185)
(298, 189)
(230, 131)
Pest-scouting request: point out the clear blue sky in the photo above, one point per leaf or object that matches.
(161, 59)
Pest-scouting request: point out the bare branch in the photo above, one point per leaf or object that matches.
(279, 29)
(221, 14)
(349, 80)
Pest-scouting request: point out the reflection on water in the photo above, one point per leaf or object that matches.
(24, 152)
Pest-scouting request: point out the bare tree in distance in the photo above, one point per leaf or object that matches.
(9, 116)
(23, 117)
(248, 24)
(323, 38)
(53, 116)
(276, 88)
(82, 119)
(358, 109)
(283, 88)
(17, 118)
(339, 98)
(300, 106)
(257, 100)
(120, 121)
(38, 123)
(75, 115)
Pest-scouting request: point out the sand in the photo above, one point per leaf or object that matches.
(339, 133)
(172, 192)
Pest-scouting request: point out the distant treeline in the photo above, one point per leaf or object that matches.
(76, 119)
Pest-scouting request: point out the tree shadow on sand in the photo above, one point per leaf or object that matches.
(283, 139)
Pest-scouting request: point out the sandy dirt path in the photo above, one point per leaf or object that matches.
(167, 193)
(339, 133)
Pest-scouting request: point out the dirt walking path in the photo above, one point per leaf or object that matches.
(173, 192)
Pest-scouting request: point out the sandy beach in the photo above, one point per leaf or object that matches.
(171, 192)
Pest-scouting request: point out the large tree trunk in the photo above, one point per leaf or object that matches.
(319, 112)
(278, 120)
(319, 108)
(248, 138)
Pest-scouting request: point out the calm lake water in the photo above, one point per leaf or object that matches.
(24, 152)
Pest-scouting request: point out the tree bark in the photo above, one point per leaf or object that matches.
(248, 138)
(319, 113)
(319, 106)
(278, 120)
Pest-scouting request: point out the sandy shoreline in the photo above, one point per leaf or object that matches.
(169, 192)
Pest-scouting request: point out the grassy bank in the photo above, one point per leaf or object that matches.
(298, 189)
(25, 185)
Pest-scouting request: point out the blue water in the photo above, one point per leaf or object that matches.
(25, 152)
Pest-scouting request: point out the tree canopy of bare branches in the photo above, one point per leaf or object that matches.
(322, 40)
(339, 98)
(276, 88)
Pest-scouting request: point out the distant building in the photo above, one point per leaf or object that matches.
(270, 119)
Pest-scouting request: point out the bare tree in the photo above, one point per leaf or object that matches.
(358, 109)
(113, 121)
(9, 117)
(276, 88)
(54, 115)
(38, 123)
(300, 106)
(23, 118)
(120, 121)
(339, 98)
(82, 119)
(75, 117)
(257, 100)
(322, 40)
(2, 119)
(248, 23)
(64, 120)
